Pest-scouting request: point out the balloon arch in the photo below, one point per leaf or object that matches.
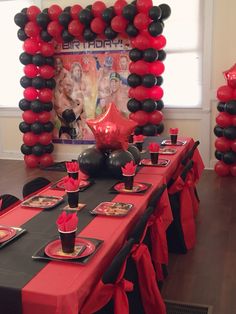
(40, 30)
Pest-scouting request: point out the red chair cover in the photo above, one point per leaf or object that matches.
(151, 298)
(186, 209)
(198, 166)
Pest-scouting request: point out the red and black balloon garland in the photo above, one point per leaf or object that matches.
(40, 31)
(225, 129)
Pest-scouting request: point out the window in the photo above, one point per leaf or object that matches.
(183, 65)
(11, 48)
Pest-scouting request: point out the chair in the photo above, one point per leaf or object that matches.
(34, 186)
(181, 232)
(7, 201)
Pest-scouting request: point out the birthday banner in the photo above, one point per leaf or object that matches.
(88, 77)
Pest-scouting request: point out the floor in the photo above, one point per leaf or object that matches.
(207, 274)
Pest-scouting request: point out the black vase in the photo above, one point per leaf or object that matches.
(173, 138)
(73, 198)
(154, 158)
(67, 241)
(129, 182)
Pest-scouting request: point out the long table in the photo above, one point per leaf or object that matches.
(59, 288)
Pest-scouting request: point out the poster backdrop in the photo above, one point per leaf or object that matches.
(88, 77)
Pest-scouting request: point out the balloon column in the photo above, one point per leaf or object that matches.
(225, 129)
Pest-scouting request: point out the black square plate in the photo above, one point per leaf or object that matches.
(19, 231)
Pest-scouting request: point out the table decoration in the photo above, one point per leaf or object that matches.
(72, 168)
(154, 152)
(128, 172)
(72, 189)
(138, 141)
(173, 135)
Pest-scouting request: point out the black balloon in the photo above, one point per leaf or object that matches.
(45, 36)
(150, 55)
(165, 11)
(38, 82)
(37, 128)
(66, 36)
(138, 130)
(50, 61)
(159, 105)
(89, 35)
(45, 10)
(160, 128)
(36, 106)
(21, 19)
(149, 80)
(229, 158)
(25, 149)
(149, 105)
(230, 107)
(149, 130)
(131, 30)
(24, 127)
(24, 104)
(43, 20)
(92, 161)
(221, 106)
(51, 83)
(219, 155)
(48, 127)
(48, 149)
(161, 55)
(24, 10)
(135, 54)
(218, 131)
(155, 29)
(22, 35)
(108, 14)
(116, 160)
(38, 150)
(64, 18)
(89, 7)
(38, 59)
(135, 153)
(129, 12)
(134, 80)
(159, 80)
(155, 13)
(230, 133)
(25, 81)
(85, 17)
(67, 9)
(133, 105)
(110, 33)
(25, 58)
(48, 106)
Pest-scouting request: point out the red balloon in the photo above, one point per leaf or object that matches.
(31, 161)
(230, 76)
(54, 28)
(224, 119)
(233, 120)
(141, 117)
(222, 169)
(45, 138)
(74, 11)
(32, 12)
(46, 160)
(119, 24)
(31, 46)
(54, 11)
(157, 68)
(140, 42)
(30, 138)
(233, 170)
(144, 5)
(30, 93)
(75, 28)
(140, 67)
(47, 49)
(131, 93)
(158, 42)
(31, 70)
(112, 117)
(141, 21)
(225, 93)
(45, 95)
(155, 92)
(119, 5)
(44, 116)
(29, 117)
(155, 117)
(97, 25)
(107, 134)
(222, 144)
(46, 71)
(97, 8)
(32, 29)
(233, 145)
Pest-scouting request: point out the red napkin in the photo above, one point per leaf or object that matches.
(174, 131)
(67, 222)
(138, 138)
(154, 147)
(72, 166)
(71, 184)
(0, 203)
(129, 169)
(83, 176)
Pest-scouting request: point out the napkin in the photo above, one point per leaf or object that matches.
(67, 222)
(129, 169)
(174, 131)
(153, 148)
(71, 184)
(72, 166)
(138, 138)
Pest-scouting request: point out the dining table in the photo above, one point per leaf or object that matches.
(33, 285)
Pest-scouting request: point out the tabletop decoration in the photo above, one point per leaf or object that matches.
(173, 135)
(138, 141)
(72, 188)
(128, 172)
(72, 168)
(67, 226)
(154, 152)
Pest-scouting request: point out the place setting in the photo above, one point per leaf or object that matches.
(8, 234)
(154, 160)
(173, 141)
(42, 201)
(72, 191)
(138, 141)
(68, 246)
(112, 209)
